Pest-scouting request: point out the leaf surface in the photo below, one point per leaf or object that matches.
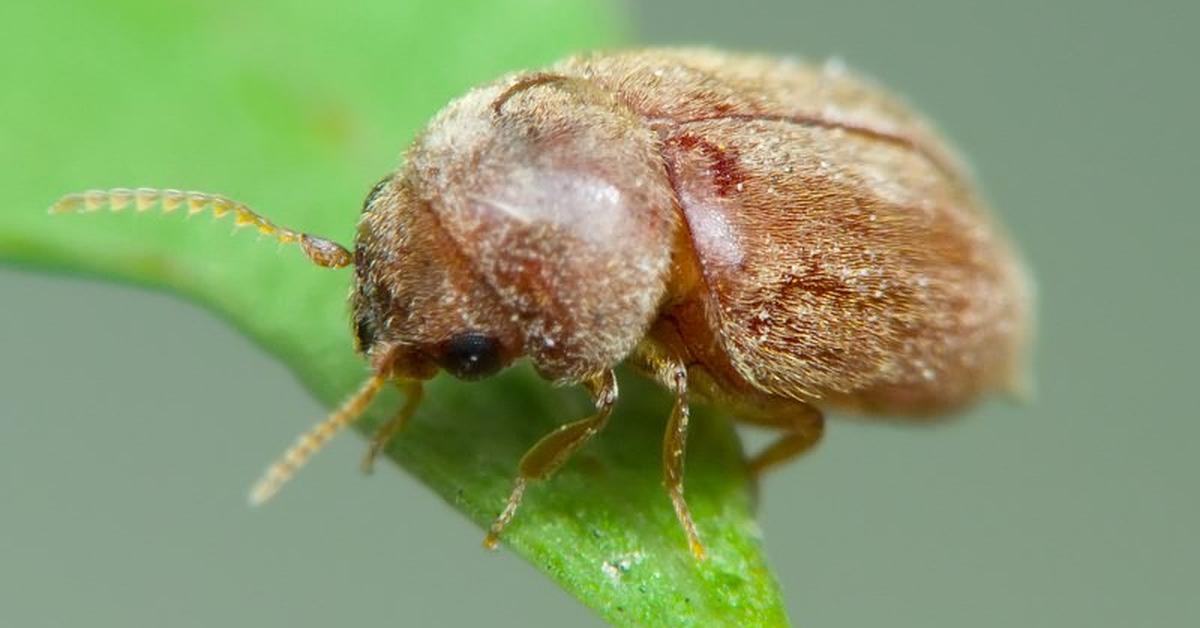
(296, 109)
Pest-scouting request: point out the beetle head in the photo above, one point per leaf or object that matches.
(417, 304)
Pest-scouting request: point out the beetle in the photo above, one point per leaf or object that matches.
(775, 238)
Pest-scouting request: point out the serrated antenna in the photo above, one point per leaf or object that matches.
(311, 441)
(322, 251)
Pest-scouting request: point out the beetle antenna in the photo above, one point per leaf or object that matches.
(311, 441)
(320, 250)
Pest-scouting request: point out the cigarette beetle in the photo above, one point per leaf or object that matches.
(774, 238)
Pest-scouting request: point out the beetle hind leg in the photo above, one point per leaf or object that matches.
(802, 424)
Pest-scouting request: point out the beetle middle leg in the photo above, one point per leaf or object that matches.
(413, 391)
(655, 360)
(674, 449)
(544, 458)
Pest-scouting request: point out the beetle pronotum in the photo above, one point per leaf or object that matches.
(771, 237)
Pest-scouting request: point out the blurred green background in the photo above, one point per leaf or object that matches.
(1079, 509)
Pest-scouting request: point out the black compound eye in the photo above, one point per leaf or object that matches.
(471, 355)
(364, 334)
(375, 192)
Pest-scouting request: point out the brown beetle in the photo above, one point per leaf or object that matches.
(769, 236)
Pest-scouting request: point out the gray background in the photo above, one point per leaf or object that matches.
(1077, 510)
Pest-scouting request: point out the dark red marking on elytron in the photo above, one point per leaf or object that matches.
(722, 162)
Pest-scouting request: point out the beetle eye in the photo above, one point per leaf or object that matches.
(375, 192)
(364, 334)
(471, 355)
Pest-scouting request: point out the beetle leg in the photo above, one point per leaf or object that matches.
(544, 458)
(803, 424)
(412, 390)
(674, 450)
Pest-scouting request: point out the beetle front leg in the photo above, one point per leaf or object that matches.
(413, 391)
(544, 458)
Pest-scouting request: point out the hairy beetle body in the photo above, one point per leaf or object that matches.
(785, 237)
(801, 233)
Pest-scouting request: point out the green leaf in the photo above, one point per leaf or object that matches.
(296, 109)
